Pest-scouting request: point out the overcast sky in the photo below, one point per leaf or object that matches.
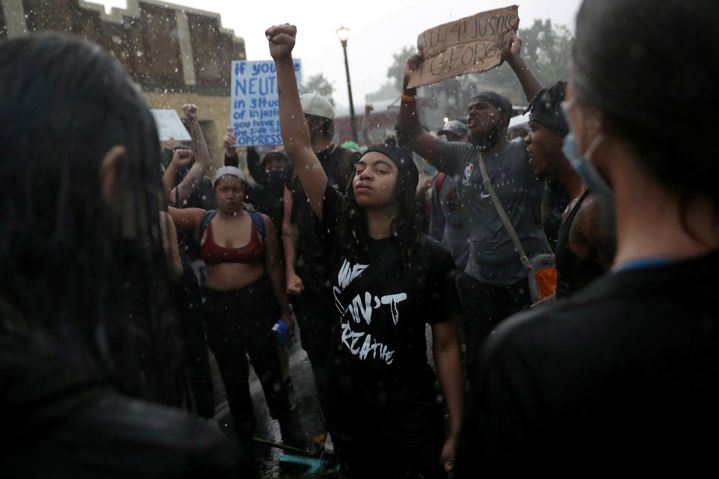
(379, 28)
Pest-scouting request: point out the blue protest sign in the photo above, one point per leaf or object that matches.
(254, 111)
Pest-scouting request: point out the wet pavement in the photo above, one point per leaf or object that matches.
(276, 463)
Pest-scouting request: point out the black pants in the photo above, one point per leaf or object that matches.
(486, 305)
(192, 327)
(364, 462)
(239, 323)
(315, 313)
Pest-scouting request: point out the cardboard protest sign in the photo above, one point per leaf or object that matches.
(468, 45)
(169, 126)
(255, 115)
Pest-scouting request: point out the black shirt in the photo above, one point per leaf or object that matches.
(381, 386)
(268, 198)
(620, 379)
(573, 272)
(338, 167)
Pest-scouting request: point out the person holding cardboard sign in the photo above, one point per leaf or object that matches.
(494, 284)
(388, 281)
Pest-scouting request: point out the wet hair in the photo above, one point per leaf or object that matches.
(352, 228)
(648, 67)
(71, 280)
(545, 109)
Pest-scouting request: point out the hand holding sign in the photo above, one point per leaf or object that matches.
(469, 45)
(282, 40)
(511, 46)
(254, 116)
(412, 65)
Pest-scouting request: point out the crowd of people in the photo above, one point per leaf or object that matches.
(412, 289)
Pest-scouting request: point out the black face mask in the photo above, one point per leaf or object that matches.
(275, 180)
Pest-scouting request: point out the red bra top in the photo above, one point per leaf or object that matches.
(252, 252)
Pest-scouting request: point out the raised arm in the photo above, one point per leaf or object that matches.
(228, 143)
(180, 157)
(289, 242)
(186, 218)
(295, 134)
(511, 54)
(366, 137)
(202, 156)
(409, 129)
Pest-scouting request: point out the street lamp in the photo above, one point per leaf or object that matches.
(343, 34)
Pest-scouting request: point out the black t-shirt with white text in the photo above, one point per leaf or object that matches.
(381, 386)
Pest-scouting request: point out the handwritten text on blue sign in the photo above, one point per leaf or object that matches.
(255, 117)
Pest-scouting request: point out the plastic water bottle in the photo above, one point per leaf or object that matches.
(282, 333)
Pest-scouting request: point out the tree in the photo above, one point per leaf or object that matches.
(318, 83)
(396, 71)
(546, 49)
(386, 92)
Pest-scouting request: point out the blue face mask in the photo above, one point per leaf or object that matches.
(583, 166)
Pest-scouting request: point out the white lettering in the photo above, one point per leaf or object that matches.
(393, 300)
(370, 348)
(348, 273)
(362, 344)
(364, 308)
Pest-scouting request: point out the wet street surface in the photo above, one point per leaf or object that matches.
(276, 463)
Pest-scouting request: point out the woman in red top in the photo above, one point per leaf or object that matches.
(243, 297)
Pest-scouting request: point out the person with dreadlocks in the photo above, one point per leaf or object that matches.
(586, 239)
(388, 281)
(495, 283)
